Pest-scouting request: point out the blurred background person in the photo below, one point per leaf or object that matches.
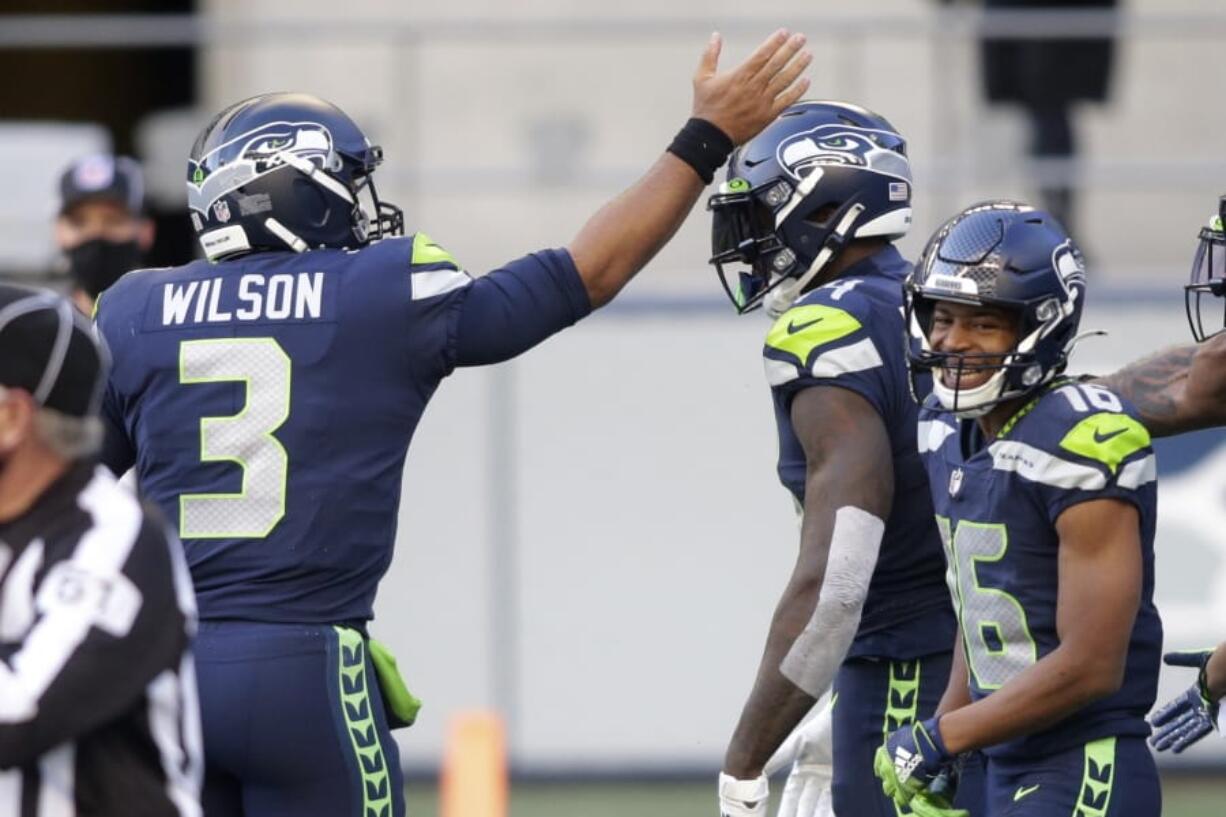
(101, 228)
(1046, 77)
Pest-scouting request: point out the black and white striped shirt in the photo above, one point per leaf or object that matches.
(98, 707)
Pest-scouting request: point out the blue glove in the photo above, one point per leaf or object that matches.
(912, 758)
(1191, 715)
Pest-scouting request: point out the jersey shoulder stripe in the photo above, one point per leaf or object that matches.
(1078, 436)
(821, 339)
(433, 270)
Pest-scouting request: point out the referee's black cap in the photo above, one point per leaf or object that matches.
(50, 350)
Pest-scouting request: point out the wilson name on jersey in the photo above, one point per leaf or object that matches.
(997, 506)
(848, 334)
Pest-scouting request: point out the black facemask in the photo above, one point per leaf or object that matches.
(98, 263)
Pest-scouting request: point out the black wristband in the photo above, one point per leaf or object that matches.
(703, 147)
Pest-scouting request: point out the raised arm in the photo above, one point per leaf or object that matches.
(848, 492)
(1177, 390)
(733, 107)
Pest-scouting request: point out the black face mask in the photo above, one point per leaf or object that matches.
(98, 263)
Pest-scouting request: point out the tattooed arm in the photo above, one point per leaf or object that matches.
(1177, 390)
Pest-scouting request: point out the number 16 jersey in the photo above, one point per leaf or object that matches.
(997, 503)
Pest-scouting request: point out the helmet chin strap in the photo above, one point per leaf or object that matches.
(285, 234)
(968, 404)
(784, 294)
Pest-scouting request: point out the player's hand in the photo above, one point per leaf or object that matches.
(1191, 715)
(809, 749)
(743, 101)
(911, 760)
(743, 798)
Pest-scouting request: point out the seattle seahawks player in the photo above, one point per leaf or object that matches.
(806, 219)
(267, 400)
(1184, 389)
(1045, 495)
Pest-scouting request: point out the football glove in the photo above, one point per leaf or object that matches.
(743, 798)
(911, 760)
(807, 790)
(1191, 715)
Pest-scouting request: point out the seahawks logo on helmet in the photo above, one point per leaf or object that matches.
(838, 145)
(1066, 260)
(254, 153)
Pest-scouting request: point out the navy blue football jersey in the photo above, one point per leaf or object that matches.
(267, 404)
(849, 334)
(997, 506)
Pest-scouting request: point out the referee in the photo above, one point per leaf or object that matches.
(98, 711)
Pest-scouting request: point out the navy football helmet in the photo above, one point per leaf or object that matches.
(1208, 278)
(1004, 254)
(819, 176)
(285, 171)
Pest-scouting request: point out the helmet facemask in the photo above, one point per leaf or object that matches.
(1203, 294)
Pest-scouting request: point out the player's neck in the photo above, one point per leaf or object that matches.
(852, 254)
(996, 419)
(25, 477)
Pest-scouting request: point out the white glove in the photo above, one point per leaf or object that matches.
(809, 748)
(743, 798)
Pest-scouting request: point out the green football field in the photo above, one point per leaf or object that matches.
(1202, 796)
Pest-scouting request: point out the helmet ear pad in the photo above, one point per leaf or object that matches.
(316, 215)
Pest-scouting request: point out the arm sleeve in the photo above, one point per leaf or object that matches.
(99, 640)
(828, 344)
(1106, 455)
(510, 310)
(118, 453)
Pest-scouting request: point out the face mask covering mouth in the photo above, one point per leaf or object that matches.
(99, 262)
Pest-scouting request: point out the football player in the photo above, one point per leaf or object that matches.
(267, 397)
(804, 224)
(1179, 390)
(1044, 490)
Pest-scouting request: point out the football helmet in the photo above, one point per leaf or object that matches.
(819, 176)
(285, 171)
(1004, 254)
(1208, 278)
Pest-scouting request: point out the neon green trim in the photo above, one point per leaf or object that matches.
(901, 702)
(358, 714)
(401, 704)
(1108, 437)
(1029, 407)
(738, 186)
(211, 425)
(1097, 780)
(425, 251)
(804, 328)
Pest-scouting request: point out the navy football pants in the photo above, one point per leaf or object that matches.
(875, 697)
(293, 724)
(1111, 777)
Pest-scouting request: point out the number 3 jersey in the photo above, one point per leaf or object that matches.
(267, 404)
(849, 334)
(997, 504)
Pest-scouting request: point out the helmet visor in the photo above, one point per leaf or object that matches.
(1203, 299)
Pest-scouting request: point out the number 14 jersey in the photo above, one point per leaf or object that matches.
(997, 504)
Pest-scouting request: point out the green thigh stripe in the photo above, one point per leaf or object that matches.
(358, 713)
(1097, 779)
(901, 703)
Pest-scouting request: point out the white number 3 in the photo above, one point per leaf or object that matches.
(245, 439)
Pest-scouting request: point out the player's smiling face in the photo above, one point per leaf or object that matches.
(987, 333)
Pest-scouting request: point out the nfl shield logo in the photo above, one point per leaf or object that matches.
(955, 482)
(221, 210)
